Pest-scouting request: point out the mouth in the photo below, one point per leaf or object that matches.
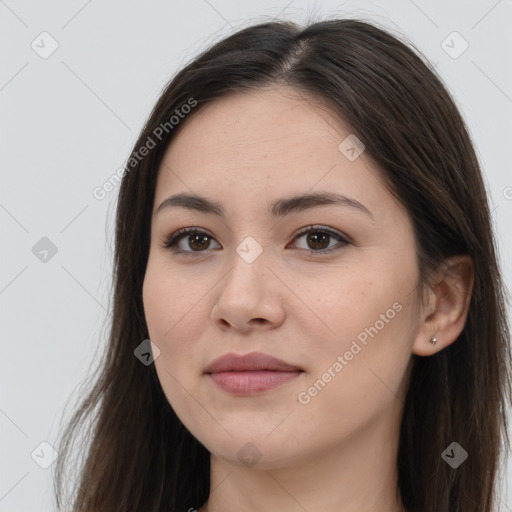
(250, 374)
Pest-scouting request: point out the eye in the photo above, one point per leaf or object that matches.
(318, 239)
(197, 239)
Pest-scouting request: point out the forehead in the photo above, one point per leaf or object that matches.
(272, 122)
(269, 143)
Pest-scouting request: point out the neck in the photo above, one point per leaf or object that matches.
(358, 475)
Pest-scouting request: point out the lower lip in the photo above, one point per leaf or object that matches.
(252, 382)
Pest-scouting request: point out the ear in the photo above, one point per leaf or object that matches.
(446, 309)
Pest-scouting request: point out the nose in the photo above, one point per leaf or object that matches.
(249, 296)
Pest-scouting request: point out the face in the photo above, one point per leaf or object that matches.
(326, 287)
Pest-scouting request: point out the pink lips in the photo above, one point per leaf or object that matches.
(250, 374)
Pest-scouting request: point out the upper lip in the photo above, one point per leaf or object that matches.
(246, 362)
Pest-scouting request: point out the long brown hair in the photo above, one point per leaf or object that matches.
(137, 455)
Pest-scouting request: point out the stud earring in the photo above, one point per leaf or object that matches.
(433, 340)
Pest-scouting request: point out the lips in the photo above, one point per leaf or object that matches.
(250, 374)
(249, 362)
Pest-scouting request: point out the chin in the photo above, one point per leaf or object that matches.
(253, 449)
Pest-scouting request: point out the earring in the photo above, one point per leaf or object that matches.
(433, 340)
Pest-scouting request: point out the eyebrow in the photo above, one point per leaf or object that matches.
(278, 208)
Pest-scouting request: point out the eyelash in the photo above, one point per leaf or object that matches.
(172, 239)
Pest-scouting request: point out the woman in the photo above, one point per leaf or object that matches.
(303, 233)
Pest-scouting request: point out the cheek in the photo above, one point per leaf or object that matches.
(171, 301)
(370, 313)
(174, 319)
(361, 375)
(173, 322)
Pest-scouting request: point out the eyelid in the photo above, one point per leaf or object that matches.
(171, 240)
(343, 240)
(321, 228)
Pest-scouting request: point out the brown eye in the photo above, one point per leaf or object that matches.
(198, 242)
(189, 240)
(319, 239)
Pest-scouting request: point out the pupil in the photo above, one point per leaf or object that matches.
(315, 240)
(313, 237)
(194, 239)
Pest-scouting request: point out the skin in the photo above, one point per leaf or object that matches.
(338, 451)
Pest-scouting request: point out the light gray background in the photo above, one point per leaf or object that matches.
(69, 121)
